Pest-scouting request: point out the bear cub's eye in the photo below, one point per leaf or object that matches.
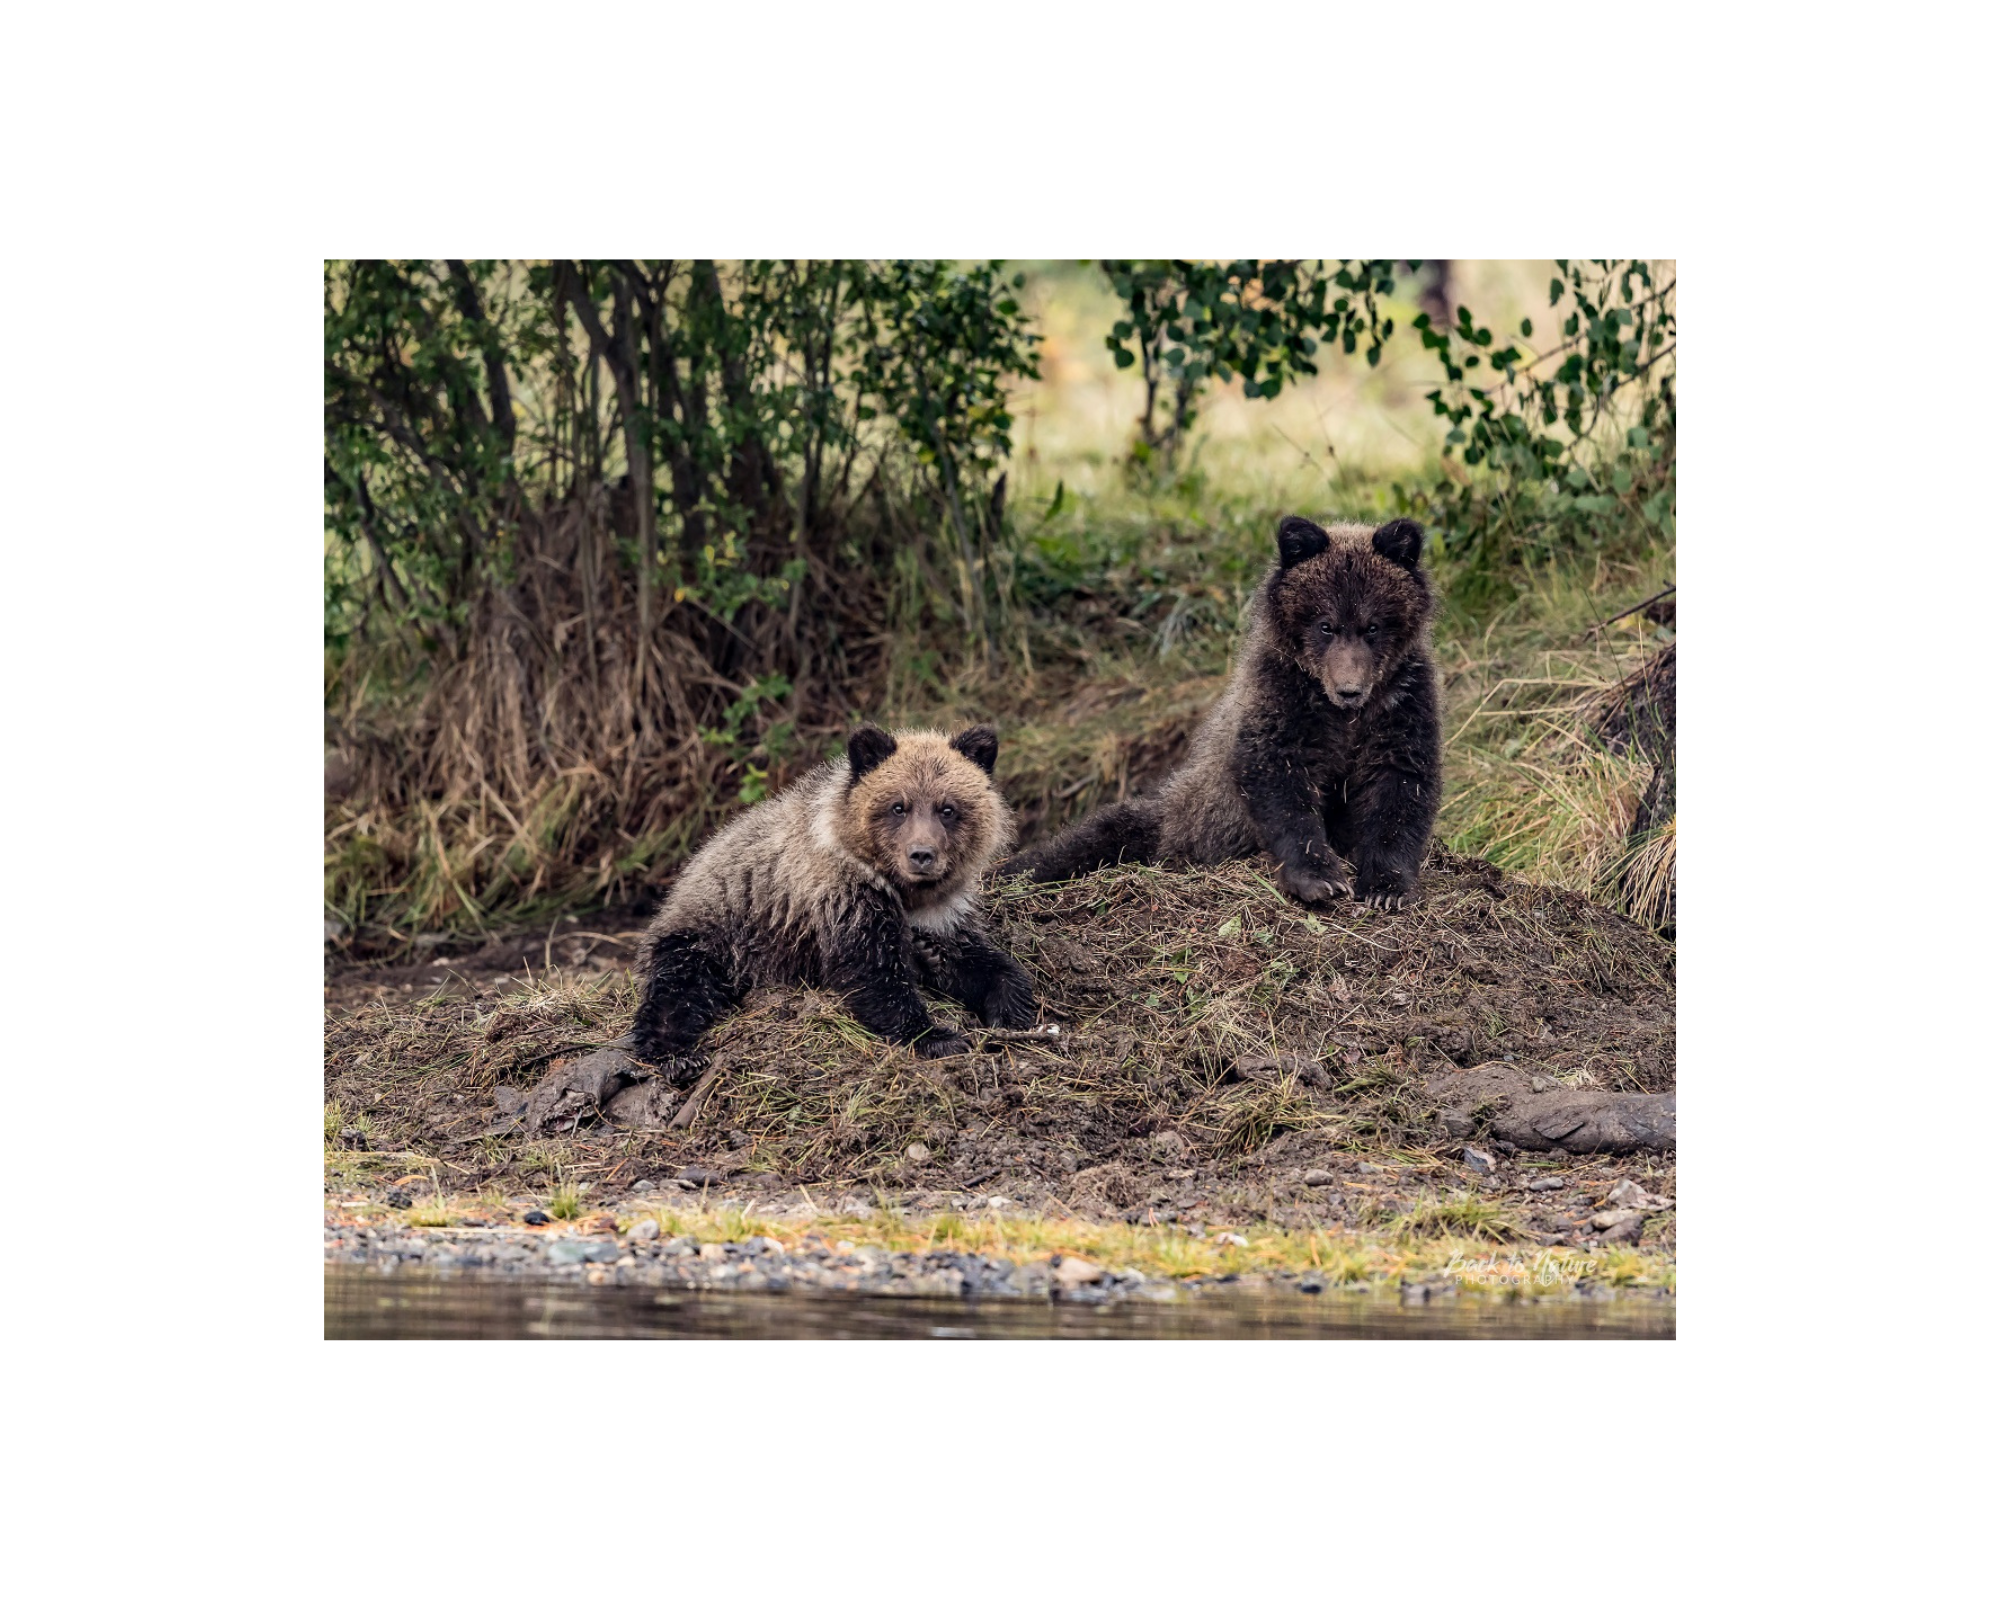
(897, 809)
(947, 812)
(1373, 630)
(1327, 629)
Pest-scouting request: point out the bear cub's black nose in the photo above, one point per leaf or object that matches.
(921, 857)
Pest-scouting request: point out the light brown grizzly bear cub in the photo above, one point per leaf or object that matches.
(862, 877)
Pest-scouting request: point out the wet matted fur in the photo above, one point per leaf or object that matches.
(1324, 748)
(862, 877)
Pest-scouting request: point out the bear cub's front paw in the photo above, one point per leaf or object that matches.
(1387, 893)
(1315, 885)
(681, 1071)
(942, 1042)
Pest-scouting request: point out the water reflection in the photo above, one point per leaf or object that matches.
(362, 1303)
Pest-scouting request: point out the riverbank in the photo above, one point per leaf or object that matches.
(1228, 1089)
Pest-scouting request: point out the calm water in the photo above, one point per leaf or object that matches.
(364, 1304)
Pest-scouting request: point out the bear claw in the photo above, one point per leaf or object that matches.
(1309, 888)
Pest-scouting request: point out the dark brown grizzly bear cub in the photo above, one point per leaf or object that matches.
(863, 877)
(1323, 746)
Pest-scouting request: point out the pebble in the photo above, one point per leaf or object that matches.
(1319, 1178)
(644, 1229)
(1231, 1238)
(536, 1219)
(1604, 1221)
(918, 1152)
(563, 1252)
(1481, 1161)
(1545, 1185)
(644, 1185)
(714, 1252)
(1628, 1194)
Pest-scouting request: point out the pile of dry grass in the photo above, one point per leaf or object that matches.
(1204, 1018)
(546, 758)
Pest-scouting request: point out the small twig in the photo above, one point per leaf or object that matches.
(696, 1098)
(994, 1040)
(1641, 606)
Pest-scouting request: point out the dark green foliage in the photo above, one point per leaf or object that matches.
(1570, 446)
(1259, 321)
(1565, 447)
(726, 408)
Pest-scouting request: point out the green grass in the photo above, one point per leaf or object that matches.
(1456, 1238)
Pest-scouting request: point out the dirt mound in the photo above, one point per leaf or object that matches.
(1214, 1040)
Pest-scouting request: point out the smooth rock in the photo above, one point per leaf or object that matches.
(1231, 1238)
(644, 1229)
(919, 1152)
(600, 1250)
(1073, 1272)
(1628, 1194)
(1480, 1160)
(1604, 1221)
(643, 1185)
(714, 1252)
(565, 1252)
(1319, 1178)
(536, 1219)
(1545, 1185)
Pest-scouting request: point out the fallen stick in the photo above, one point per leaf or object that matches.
(1621, 616)
(697, 1097)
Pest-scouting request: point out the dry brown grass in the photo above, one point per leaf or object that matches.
(553, 761)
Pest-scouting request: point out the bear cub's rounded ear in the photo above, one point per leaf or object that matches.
(867, 748)
(981, 746)
(1402, 541)
(1299, 540)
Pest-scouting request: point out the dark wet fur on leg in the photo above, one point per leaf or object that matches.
(966, 966)
(872, 968)
(689, 985)
(1126, 832)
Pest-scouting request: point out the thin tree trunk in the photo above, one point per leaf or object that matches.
(619, 355)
